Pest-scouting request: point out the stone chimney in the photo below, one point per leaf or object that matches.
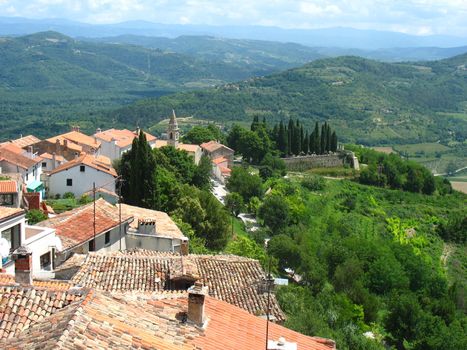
(65, 143)
(23, 265)
(147, 226)
(54, 160)
(196, 297)
(184, 249)
(57, 146)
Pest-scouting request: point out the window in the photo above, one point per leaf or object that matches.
(27, 175)
(34, 171)
(46, 262)
(6, 199)
(92, 245)
(12, 235)
(44, 164)
(82, 168)
(69, 182)
(107, 238)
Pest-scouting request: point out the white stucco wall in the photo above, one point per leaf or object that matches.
(82, 181)
(111, 150)
(114, 244)
(152, 242)
(6, 224)
(40, 244)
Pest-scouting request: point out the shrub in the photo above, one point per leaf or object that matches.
(68, 195)
(313, 183)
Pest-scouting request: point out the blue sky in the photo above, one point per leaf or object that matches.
(420, 17)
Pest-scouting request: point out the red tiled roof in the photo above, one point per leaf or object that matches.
(81, 319)
(123, 137)
(165, 226)
(181, 146)
(49, 156)
(13, 155)
(100, 163)
(76, 139)
(8, 186)
(219, 160)
(212, 146)
(26, 141)
(7, 212)
(75, 227)
(234, 279)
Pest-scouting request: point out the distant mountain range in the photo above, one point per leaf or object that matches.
(328, 37)
(272, 53)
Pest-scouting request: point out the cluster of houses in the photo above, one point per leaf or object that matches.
(109, 275)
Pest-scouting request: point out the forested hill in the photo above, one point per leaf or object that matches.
(47, 78)
(367, 101)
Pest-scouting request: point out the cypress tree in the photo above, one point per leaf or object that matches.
(317, 139)
(291, 137)
(300, 140)
(334, 142)
(255, 123)
(323, 139)
(264, 122)
(306, 143)
(282, 139)
(312, 141)
(328, 138)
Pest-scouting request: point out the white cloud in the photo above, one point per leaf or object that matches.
(413, 16)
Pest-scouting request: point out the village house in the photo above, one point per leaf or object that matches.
(79, 175)
(221, 158)
(50, 315)
(115, 142)
(10, 192)
(91, 227)
(215, 150)
(14, 159)
(51, 161)
(153, 230)
(69, 145)
(25, 142)
(173, 135)
(15, 233)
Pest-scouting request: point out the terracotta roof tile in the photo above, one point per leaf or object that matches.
(234, 279)
(75, 227)
(26, 141)
(7, 212)
(8, 186)
(100, 163)
(76, 138)
(10, 154)
(49, 156)
(165, 226)
(81, 319)
(123, 137)
(212, 146)
(182, 146)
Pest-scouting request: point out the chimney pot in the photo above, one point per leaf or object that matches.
(196, 298)
(23, 265)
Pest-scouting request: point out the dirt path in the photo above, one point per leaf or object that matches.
(448, 249)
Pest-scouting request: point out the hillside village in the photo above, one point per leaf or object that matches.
(106, 257)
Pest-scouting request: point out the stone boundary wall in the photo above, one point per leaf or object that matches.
(302, 163)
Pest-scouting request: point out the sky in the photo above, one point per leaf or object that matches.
(419, 17)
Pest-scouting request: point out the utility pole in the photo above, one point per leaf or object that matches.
(268, 281)
(120, 180)
(94, 221)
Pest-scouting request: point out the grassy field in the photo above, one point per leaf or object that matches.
(429, 148)
(460, 186)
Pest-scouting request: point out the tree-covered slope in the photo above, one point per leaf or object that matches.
(367, 101)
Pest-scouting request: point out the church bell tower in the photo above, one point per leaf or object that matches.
(173, 133)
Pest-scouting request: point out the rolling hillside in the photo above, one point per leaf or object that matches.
(367, 101)
(49, 76)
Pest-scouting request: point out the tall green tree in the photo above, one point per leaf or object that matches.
(137, 170)
(333, 142)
